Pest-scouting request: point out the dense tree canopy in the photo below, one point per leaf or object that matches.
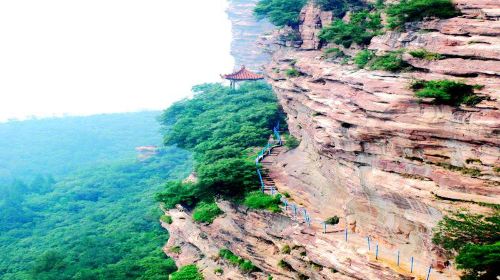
(475, 240)
(221, 126)
(280, 12)
(58, 146)
(98, 222)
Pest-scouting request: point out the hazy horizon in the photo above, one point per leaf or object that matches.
(63, 58)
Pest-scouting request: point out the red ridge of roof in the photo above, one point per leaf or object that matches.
(243, 74)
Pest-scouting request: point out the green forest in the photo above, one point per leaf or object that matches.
(57, 146)
(224, 129)
(95, 218)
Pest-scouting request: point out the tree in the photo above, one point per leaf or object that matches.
(474, 239)
(280, 12)
(480, 261)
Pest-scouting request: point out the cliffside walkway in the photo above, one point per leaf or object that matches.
(392, 258)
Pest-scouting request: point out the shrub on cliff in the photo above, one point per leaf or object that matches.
(363, 57)
(292, 72)
(166, 219)
(291, 142)
(416, 10)
(339, 7)
(206, 212)
(475, 240)
(391, 61)
(259, 200)
(424, 54)
(188, 272)
(280, 12)
(332, 220)
(360, 29)
(447, 92)
(244, 265)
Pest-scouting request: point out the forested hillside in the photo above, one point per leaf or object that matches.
(96, 217)
(59, 145)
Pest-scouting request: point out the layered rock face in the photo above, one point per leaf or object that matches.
(371, 152)
(259, 236)
(248, 35)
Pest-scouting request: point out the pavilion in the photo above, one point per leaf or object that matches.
(242, 75)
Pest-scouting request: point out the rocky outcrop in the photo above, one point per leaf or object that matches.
(389, 165)
(259, 236)
(375, 155)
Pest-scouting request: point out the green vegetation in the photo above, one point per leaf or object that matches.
(284, 265)
(176, 250)
(286, 249)
(292, 72)
(188, 272)
(333, 53)
(479, 261)
(361, 28)
(280, 12)
(416, 10)
(363, 57)
(59, 146)
(206, 212)
(391, 61)
(446, 92)
(332, 220)
(474, 239)
(291, 142)
(218, 271)
(97, 223)
(287, 194)
(166, 219)
(464, 170)
(259, 200)
(244, 265)
(473, 160)
(424, 54)
(222, 127)
(339, 7)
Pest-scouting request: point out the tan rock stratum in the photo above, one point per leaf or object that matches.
(371, 153)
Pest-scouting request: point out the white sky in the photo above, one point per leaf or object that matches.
(83, 57)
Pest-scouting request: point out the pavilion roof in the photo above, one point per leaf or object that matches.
(243, 75)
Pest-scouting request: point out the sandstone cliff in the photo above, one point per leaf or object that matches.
(371, 153)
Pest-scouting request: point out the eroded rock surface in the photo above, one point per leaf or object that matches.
(259, 236)
(371, 153)
(375, 155)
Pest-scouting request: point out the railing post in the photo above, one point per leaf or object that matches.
(286, 205)
(411, 265)
(398, 257)
(429, 272)
(368, 239)
(376, 252)
(324, 227)
(345, 233)
(260, 179)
